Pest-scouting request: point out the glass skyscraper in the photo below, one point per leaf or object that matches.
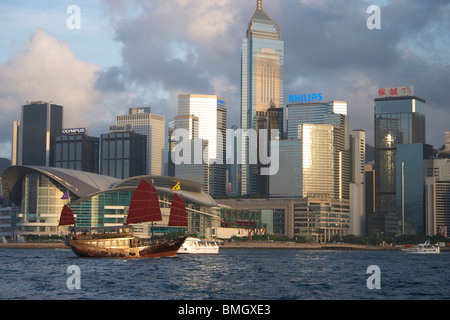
(262, 87)
(205, 119)
(332, 113)
(411, 166)
(34, 143)
(398, 120)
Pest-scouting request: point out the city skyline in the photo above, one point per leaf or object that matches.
(116, 60)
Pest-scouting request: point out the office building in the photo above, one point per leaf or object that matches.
(144, 122)
(438, 197)
(33, 137)
(369, 198)
(262, 88)
(332, 113)
(123, 153)
(399, 119)
(75, 150)
(411, 167)
(307, 167)
(357, 183)
(437, 201)
(204, 117)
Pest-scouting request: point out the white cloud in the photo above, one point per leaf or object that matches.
(48, 70)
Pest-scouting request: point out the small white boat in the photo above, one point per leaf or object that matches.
(424, 248)
(197, 246)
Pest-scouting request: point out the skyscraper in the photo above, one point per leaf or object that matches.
(307, 167)
(143, 121)
(262, 87)
(399, 119)
(205, 118)
(357, 183)
(34, 144)
(77, 151)
(123, 153)
(332, 113)
(411, 164)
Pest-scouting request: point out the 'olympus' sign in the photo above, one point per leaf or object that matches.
(73, 131)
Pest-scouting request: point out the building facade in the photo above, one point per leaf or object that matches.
(315, 219)
(337, 154)
(204, 118)
(357, 183)
(399, 119)
(34, 136)
(123, 153)
(437, 207)
(262, 86)
(411, 167)
(77, 151)
(144, 122)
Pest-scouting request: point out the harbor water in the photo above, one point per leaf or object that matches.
(234, 274)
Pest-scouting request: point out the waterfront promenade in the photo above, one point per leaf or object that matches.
(282, 245)
(226, 245)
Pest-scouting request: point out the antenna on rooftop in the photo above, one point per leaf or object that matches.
(259, 4)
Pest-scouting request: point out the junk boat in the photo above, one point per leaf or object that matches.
(424, 248)
(197, 246)
(119, 242)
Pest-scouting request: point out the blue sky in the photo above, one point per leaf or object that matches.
(94, 42)
(147, 52)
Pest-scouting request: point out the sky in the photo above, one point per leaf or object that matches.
(144, 53)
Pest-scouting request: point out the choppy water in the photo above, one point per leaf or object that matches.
(40, 274)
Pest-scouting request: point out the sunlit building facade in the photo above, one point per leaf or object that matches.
(357, 183)
(333, 113)
(307, 167)
(205, 119)
(437, 199)
(144, 122)
(262, 86)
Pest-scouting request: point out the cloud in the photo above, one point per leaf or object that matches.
(48, 70)
(181, 46)
(194, 46)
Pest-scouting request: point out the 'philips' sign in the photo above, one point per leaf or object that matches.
(312, 97)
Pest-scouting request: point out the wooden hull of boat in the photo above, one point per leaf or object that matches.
(168, 249)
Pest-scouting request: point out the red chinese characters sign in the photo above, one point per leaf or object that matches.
(395, 92)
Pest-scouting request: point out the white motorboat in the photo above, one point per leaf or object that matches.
(425, 247)
(197, 246)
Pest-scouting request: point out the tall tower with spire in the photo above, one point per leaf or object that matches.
(262, 91)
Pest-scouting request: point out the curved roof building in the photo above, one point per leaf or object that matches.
(97, 200)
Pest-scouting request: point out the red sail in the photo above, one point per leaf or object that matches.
(67, 218)
(178, 217)
(144, 205)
